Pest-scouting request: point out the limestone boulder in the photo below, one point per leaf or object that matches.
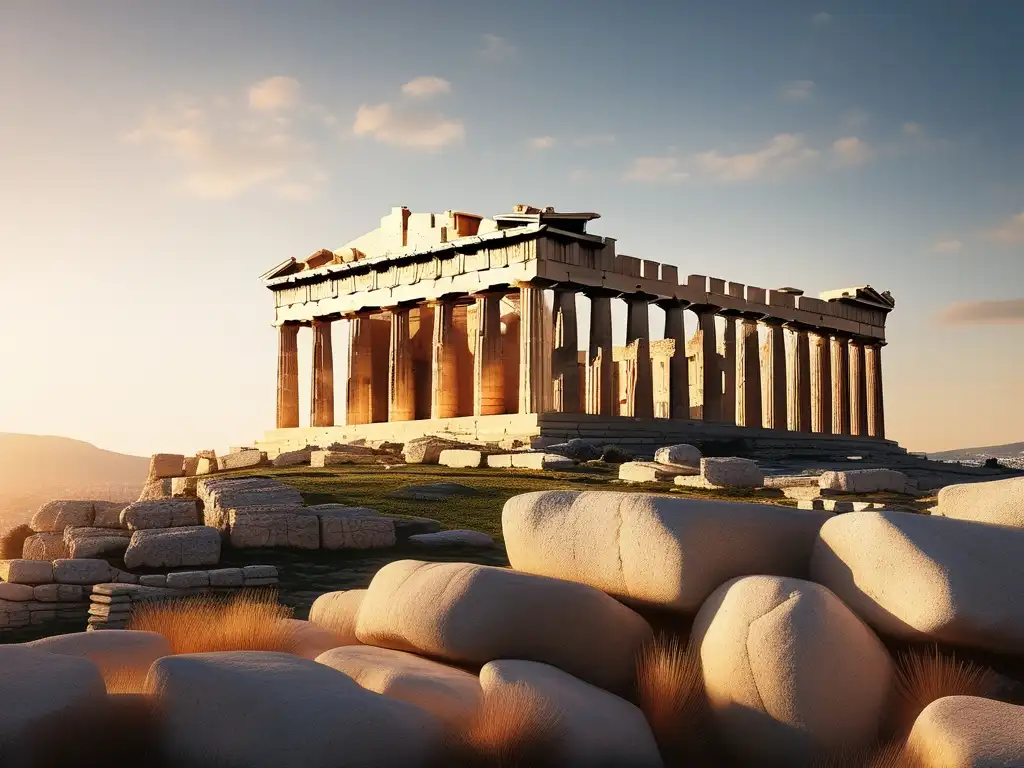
(44, 546)
(651, 550)
(156, 489)
(92, 571)
(774, 652)
(173, 547)
(163, 465)
(219, 496)
(864, 481)
(107, 514)
(61, 513)
(185, 487)
(292, 458)
(682, 455)
(473, 614)
(576, 449)
(599, 728)
(93, 547)
(34, 685)
(338, 612)
(116, 653)
(725, 472)
(460, 458)
(356, 532)
(449, 693)
(457, 538)
(968, 732)
(272, 710)
(651, 472)
(309, 640)
(189, 466)
(427, 450)
(206, 465)
(1000, 502)
(273, 529)
(162, 513)
(26, 571)
(242, 460)
(925, 578)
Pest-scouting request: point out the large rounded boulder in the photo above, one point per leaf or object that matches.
(968, 732)
(1000, 502)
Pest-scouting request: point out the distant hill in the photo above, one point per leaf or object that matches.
(37, 468)
(1010, 455)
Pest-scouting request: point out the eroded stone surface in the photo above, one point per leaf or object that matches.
(59, 514)
(460, 458)
(241, 460)
(683, 454)
(864, 481)
(163, 465)
(274, 529)
(162, 513)
(45, 546)
(651, 472)
(457, 538)
(26, 571)
(356, 532)
(173, 547)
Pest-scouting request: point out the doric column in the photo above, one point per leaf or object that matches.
(534, 364)
(488, 371)
(600, 398)
(359, 408)
(401, 385)
(707, 370)
(640, 382)
(728, 346)
(875, 404)
(798, 384)
(773, 375)
(840, 384)
(321, 401)
(858, 390)
(287, 376)
(748, 375)
(821, 383)
(565, 356)
(444, 398)
(678, 366)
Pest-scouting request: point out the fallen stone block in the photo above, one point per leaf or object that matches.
(923, 578)
(242, 460)
(44, 546)
(16, 592)
(273, 529)
(731, 472)
(163, 465)
(958, 731)
(336, 510)
(156, 489)
(163, 513)
(206, 466)
(427, 450)
(651, 472)
(93, 547)
(173, 547)
(806, 492)
(338, 612)
(185, 486)
(26, 571)
(153, 580)
(226, 577)
(998, 502)
(576, 449)
(460, 458)
(682, 455)
(188, 579)
(359, 532)
(259, 571)
(107, 514)
(293, 458)
(81, 571)
(864, 481)
(59, 514)
(791, 481)
(655, 551)
(457, 538)
(539, 460)
(189, 466)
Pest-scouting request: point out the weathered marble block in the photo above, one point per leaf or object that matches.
(682, 455)
(864, 481)
(356, 532)
(44, 546)
(163, 465)
(460, 458)
(273, 529)
(173, 547)
(26, 571)
(81, 571)
(725, 472)
(242, 460)
(206, 466)
(162, 513)
(651, 472)
(59, 514)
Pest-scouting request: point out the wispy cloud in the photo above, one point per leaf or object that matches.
(821, 19)
(850, 151)
(948, 245)
(1010, 232)
(1004, 312)
(854, 119)
(798, 90)
(595, 140)
(542, 142)
(496, 48)
(275, 94)
(426, 86)
(657, 169)
(784, 153)
(579, 175)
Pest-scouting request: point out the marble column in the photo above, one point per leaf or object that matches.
(840, 384)
(359, 406)
(798, 384)
(748, 375)
(678, 366)
(444, 397)
(287, 376)
(600, 397)
(534, 363)
(773, 375)
(401, 384)
(728, 354)
(858, 390)
(707, 370)
(821, 383)
(488, 371)
(321, 401)
(875, 404)
(640, 382)
(565, 356)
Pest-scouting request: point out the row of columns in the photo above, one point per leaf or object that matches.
(826, 382)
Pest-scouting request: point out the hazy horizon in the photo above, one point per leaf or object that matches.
(159, 158)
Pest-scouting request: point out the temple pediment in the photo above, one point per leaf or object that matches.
(863, 295)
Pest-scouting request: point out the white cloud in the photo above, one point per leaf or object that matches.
(948, 245)
(1010, 233)
(798, 90)
(850, 150)
(542, 142)
(404, 126)
(496, 48)
(274, 94)
(821, 19)
(661, 169)
(426, 86)
(595, 140)
(784, 153)
(913, 130)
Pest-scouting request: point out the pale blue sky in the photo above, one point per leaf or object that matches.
(155, 158)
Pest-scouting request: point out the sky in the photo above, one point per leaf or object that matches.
(156, 158)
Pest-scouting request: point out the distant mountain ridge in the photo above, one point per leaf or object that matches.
(1009, 450)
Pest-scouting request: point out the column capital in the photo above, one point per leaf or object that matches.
(492, 291)
(772, 321)
(594, 292)
(672, 303)
(705, 309)
(536, 282)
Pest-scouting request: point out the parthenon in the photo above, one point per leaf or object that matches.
(462, 325)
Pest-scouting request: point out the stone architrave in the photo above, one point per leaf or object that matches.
(287, 376)
(488, 368)
(444, 398)
(600, 398)
(401, 385)
(748, 375)
(359, 408)
(709, 374)
(728, 353)
(858, 390)
(322, 396)
(773, 375)
(534, 363)
(640, 382)
(873, 374)
(678, 366)
(840, 385)
(798, 382)
(565, 367)
(821, 383)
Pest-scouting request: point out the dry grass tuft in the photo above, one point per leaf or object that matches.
(513, 728)
(924, 676)
(125, 680)
(670, 693)
(247, 620)
(12, 542)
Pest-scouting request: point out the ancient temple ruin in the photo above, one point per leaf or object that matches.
(461, 325)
